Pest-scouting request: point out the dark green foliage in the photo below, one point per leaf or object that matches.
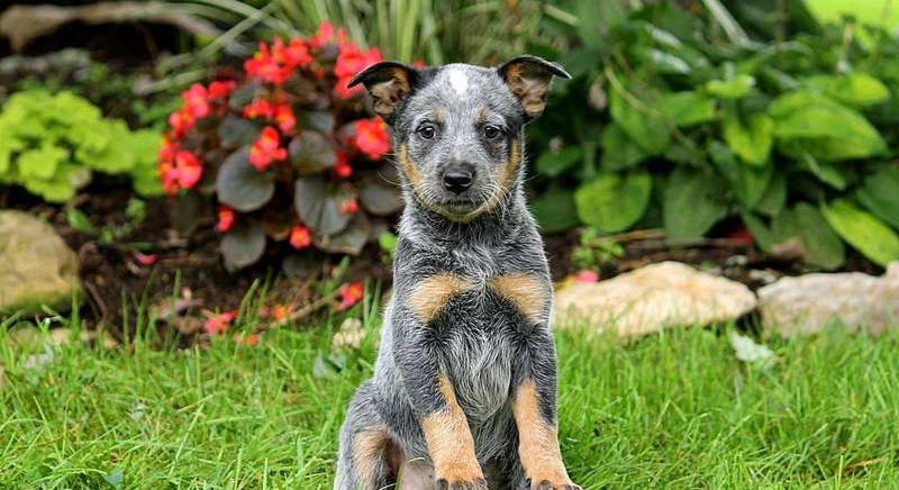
(681, 115)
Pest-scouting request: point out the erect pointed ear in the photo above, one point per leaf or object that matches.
(388, 83)
(529, 77)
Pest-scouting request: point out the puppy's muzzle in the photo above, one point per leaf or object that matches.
(458, 180)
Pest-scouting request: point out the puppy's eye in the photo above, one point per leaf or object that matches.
(426, 131)
(492, 132)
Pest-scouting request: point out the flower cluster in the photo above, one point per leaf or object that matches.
(291, 118)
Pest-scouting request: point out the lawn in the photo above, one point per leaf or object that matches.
(675, 410)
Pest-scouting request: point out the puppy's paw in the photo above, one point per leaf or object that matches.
(455, 484)
(564, 484)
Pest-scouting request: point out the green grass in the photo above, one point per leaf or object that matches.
(675, 410)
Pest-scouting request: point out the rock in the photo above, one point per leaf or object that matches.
(658, 296)
(37, 266)
(809, 303)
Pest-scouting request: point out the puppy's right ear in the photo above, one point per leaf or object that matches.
(388, 83)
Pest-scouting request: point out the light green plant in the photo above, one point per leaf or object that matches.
(51, 145)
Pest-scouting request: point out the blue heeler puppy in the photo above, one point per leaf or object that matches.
(464, 391)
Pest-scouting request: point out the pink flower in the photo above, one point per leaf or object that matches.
(259, 109)
(323, 36)
(349, 206)
(351, 61)
(350, 294)
(372, 138)
(182, 173)
(196, 101)
(219, 91)
(145, 259)
(267, 149)
(586, 276)
(218, 323)
(249, 340)
(181, 122)
(300, 237)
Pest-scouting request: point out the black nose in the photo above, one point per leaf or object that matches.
(457, 181)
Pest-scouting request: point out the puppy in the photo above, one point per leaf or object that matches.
(464, 391)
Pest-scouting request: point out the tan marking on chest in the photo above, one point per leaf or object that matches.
(538, 441)
(526, 291)
(432, 293)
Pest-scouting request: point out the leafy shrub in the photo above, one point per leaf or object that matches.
(51, 145)
(290, 153)
(678, 120)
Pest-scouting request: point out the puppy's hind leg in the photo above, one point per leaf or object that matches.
(365, 460)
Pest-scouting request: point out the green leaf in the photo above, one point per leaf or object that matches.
(555, 210)
(775, 196)
(311, 152)
(751, 142)
(243, 245)
(823, 247)
(693, 203)
(42, 163)
(318, 204)
(643, 123)
(612, 203)
(115, 156)
(863, 231)
(554, 163)
(826, 173)
(242, 187)
(749, 183)
(79, 221)
(687, 108)
(880, 194)
(735, 88)
(619, 151)
(321, 121)
(854, 89)
(806, 122)
(759, 231)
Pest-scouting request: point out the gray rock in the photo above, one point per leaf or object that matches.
(658, 296)
(809, 303)
(36, 266)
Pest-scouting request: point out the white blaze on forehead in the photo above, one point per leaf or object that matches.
(458, 81)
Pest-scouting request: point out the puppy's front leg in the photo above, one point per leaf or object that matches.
(448, 437)
(534, 410)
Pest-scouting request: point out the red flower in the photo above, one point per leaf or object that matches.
(372, 137)
(181, 122)
(284, 117)
(168, 149)
(263, 66)
(220, 91)
(350, 294)
(342, 166)
(182, 173)
(259, 108)
(324, 35)
(226, 219)
(267, 149)
(351, 61)
(218, 323)
(349, 206)
(296, 54)
(300, 237)
(196, 101)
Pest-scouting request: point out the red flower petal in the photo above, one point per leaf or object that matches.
(226, 219)
(300, 237)
(350, 294)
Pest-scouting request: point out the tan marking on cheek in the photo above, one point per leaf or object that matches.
(369, 446)
(413, 175)
(538, 442)
(449, 440)
(432, 293)
(527, 291)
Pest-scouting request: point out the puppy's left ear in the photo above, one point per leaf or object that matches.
(529, 78)
(388, 83)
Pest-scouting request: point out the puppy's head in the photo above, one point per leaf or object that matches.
(457, 129)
